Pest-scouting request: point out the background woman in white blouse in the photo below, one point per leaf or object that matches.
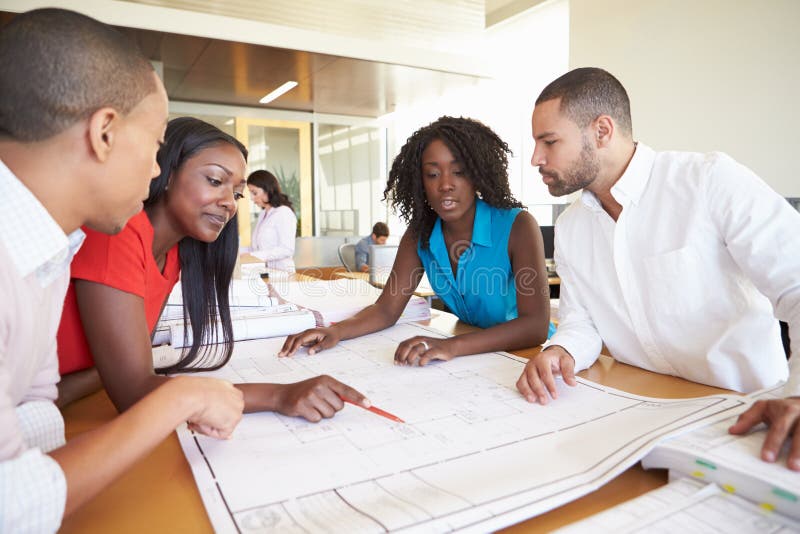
(273, 236)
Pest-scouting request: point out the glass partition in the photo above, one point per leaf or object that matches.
(351, 176)
(284, 149)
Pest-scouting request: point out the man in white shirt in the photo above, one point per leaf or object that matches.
(679, 262)
(82, 115)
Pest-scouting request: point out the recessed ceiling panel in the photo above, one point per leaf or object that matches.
(199, 69)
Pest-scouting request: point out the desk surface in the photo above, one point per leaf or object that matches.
(421, 291)
(159, 493)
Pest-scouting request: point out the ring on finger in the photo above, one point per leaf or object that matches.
(424, 344)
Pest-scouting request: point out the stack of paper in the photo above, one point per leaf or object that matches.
(336, 300)
(381, 278)
(718, 484)
(246, 293)
(254, 313)
(712, 454)
(686, 505)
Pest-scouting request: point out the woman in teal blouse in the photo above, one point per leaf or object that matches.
(481, 290)
(483, 255)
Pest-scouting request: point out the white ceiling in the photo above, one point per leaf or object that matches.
(445, 25)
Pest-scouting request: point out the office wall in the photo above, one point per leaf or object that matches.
(703, 74)
(529, 50)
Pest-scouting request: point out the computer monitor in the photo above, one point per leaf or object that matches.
(381, 259)
(547, 236)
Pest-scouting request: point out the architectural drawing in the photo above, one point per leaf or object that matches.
(473, 454)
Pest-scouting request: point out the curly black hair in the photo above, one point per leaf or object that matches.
(483, 155)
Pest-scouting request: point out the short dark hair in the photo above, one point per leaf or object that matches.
(57, 67)
(588, 92)
(269, 183)
(206, 268)
(483, 155)
(380, 229)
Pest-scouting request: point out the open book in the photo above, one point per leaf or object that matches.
(254, 312)
(332, 301)
(718, 477)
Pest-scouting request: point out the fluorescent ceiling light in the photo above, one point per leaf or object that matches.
(288, 86)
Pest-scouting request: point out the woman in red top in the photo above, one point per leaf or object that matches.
(120, 283)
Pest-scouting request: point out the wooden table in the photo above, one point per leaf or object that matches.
(159, 494)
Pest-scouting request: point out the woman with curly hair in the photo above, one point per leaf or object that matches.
(483, 255)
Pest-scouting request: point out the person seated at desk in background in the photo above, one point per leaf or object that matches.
(188, 229)
(483, 254)
(380, 233)
(678, 262)
(81, 116)
(276, 228)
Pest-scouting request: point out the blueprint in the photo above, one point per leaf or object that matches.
(472, 454)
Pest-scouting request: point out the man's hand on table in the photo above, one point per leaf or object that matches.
(537, 382)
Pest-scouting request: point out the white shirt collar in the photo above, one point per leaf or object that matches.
(34, 240)
(631, 184)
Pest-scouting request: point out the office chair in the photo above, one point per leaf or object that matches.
(347, 255)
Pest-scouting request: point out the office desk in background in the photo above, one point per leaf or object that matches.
(159, 493)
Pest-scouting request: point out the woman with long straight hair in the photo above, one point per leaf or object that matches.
(276, 228)
(120, 283)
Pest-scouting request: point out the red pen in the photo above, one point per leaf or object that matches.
(374, 410)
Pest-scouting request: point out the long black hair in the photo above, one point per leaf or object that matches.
(483, 155)
(206, 268)
(267, 181)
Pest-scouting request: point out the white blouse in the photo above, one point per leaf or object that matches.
(273, 238)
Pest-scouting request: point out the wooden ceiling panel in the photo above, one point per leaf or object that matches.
(181, 51)
(173, 78)
(198, 69)
(197, 87)
(175, 51)
(259, 64)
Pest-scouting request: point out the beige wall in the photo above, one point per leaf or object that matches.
(704, 75)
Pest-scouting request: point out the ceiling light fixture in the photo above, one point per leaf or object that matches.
(288, 86)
